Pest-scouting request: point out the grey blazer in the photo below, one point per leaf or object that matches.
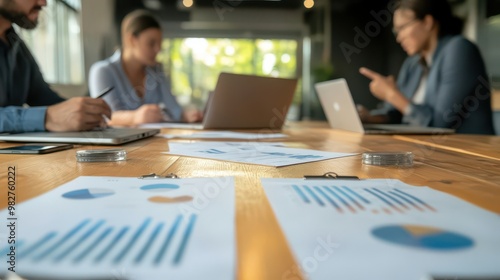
(457, 94)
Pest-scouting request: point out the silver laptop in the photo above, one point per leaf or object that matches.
(108, 136)
(341, 113)
(246, 101)
(243, 102)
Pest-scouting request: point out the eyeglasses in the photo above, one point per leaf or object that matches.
(396, 31)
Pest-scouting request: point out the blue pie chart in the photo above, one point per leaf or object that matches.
(159, 187)
(423, 237)
(88, 194)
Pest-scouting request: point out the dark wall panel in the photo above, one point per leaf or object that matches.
(362, 37)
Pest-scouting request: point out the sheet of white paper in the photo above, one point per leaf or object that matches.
(226, 135)
(127, 228)
(251, 152)
(196, 126)
(382, 229)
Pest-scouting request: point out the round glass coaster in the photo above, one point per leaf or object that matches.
(403, 159)
(101, 155)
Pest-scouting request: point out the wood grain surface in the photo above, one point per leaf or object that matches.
(464, 166)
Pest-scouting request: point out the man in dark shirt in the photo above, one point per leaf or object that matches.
(21, 82)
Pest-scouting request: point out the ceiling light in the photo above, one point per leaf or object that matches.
(187, 3)
(309, 4)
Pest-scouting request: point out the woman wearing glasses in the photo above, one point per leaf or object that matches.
(443, 82)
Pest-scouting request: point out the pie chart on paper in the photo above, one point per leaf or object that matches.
(423, 237)
(88, 194)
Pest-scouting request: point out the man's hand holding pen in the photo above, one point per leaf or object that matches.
(76, 114)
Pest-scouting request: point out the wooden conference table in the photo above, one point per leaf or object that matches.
(465, 166)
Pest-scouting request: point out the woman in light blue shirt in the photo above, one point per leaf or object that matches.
(141, 93)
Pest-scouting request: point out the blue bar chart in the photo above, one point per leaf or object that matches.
(98, 242)
(396, 230)
(126, 228)
(344, 200)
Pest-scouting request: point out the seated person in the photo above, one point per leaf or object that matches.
(140, 92)
(443, 83)
(22, 83)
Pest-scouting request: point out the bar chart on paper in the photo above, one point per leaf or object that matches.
(127, 228)
(95, 241)
(345, 200)
(379, 225)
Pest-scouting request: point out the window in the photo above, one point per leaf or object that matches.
(56, 43)
(194, 64)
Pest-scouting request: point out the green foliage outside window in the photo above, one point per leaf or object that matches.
(193, 64)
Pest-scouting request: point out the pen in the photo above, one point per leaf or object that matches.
(101, 95)
(104, 92)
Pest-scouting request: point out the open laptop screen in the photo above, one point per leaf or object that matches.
(246, 101)
(340, 110)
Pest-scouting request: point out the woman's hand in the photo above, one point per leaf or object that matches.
(366, 117)
(382, 87)
(363, 113)
(386, 89)
(192, 115)
(148, 113)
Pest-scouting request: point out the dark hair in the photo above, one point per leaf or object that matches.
(440, 10)
(138, 21)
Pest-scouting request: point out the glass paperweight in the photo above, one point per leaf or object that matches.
(401, 159)
(101, 155)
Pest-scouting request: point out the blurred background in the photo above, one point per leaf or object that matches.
(314, 40)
